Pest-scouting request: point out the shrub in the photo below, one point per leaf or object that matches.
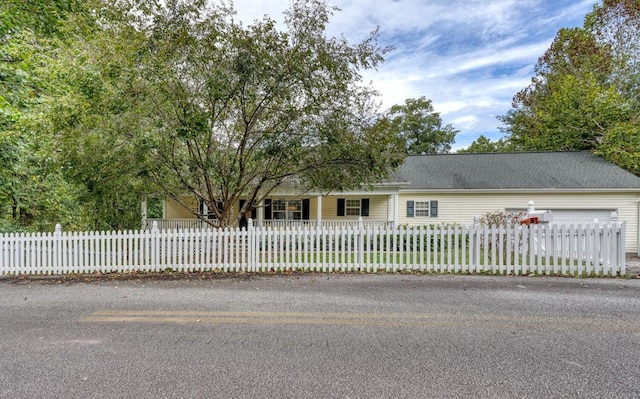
(501, 218)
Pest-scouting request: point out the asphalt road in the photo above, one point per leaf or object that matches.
(319, 336)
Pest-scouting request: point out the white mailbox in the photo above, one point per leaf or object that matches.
(542, 216)
(535, 217)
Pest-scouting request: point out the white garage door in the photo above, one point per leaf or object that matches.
(566, 216)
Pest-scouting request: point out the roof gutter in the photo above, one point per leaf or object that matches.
(522, 190)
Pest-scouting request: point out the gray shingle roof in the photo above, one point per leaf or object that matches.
(504, 171)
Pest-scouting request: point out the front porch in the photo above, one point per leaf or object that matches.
(368, 208)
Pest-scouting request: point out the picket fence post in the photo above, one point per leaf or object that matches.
(154, 246)
(57, 234)
(360, 236)
(474, 251)
(621, 238)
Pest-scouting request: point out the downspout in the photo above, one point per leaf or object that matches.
(396, 210)
(318, 210)
(389, 208)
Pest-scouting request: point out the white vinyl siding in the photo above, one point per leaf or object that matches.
(173, 210)
(377, 207)
(461, 208)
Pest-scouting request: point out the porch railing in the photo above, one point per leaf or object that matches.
(175, 224)
(324, 223)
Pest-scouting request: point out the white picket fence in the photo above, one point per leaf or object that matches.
(594, 249)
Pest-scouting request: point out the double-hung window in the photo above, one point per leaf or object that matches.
(353, 206)
(422, 209)
(287, 210)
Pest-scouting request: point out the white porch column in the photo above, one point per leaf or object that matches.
(260, 212)
(205, 210)
(319, 210)
(390, 208)
(396, 210)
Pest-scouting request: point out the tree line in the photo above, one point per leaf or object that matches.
(104, 103)
(585, 94)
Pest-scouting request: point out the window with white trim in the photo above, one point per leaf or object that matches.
(422, 208)
(352, 207)
(287, 210)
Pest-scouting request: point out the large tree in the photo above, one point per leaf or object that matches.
(203, 106)
(616, 26)
(34, 193)
(585, 91)
(417, 124)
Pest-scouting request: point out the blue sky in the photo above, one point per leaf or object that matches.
(468, 56)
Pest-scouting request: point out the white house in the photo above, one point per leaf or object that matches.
(577, 187)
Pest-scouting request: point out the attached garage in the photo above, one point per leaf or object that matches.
(575, 216)
(578, 187)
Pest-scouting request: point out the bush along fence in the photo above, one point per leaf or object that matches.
(592, 249)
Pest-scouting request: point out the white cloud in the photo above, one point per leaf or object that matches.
(468, 56)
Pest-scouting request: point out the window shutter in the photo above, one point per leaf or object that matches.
(410, 209)
(341, 207)
(364, 207)
(433, 209)
(305, 209)
(267, 209)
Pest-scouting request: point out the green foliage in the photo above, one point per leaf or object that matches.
(586, 89)
(54, 159)
(227, 111)
(43, 17)
(34, 193)
(616, 26)
(620, 146)
(574, 116)
(99, 100)
(484, 144)
(416, 124)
